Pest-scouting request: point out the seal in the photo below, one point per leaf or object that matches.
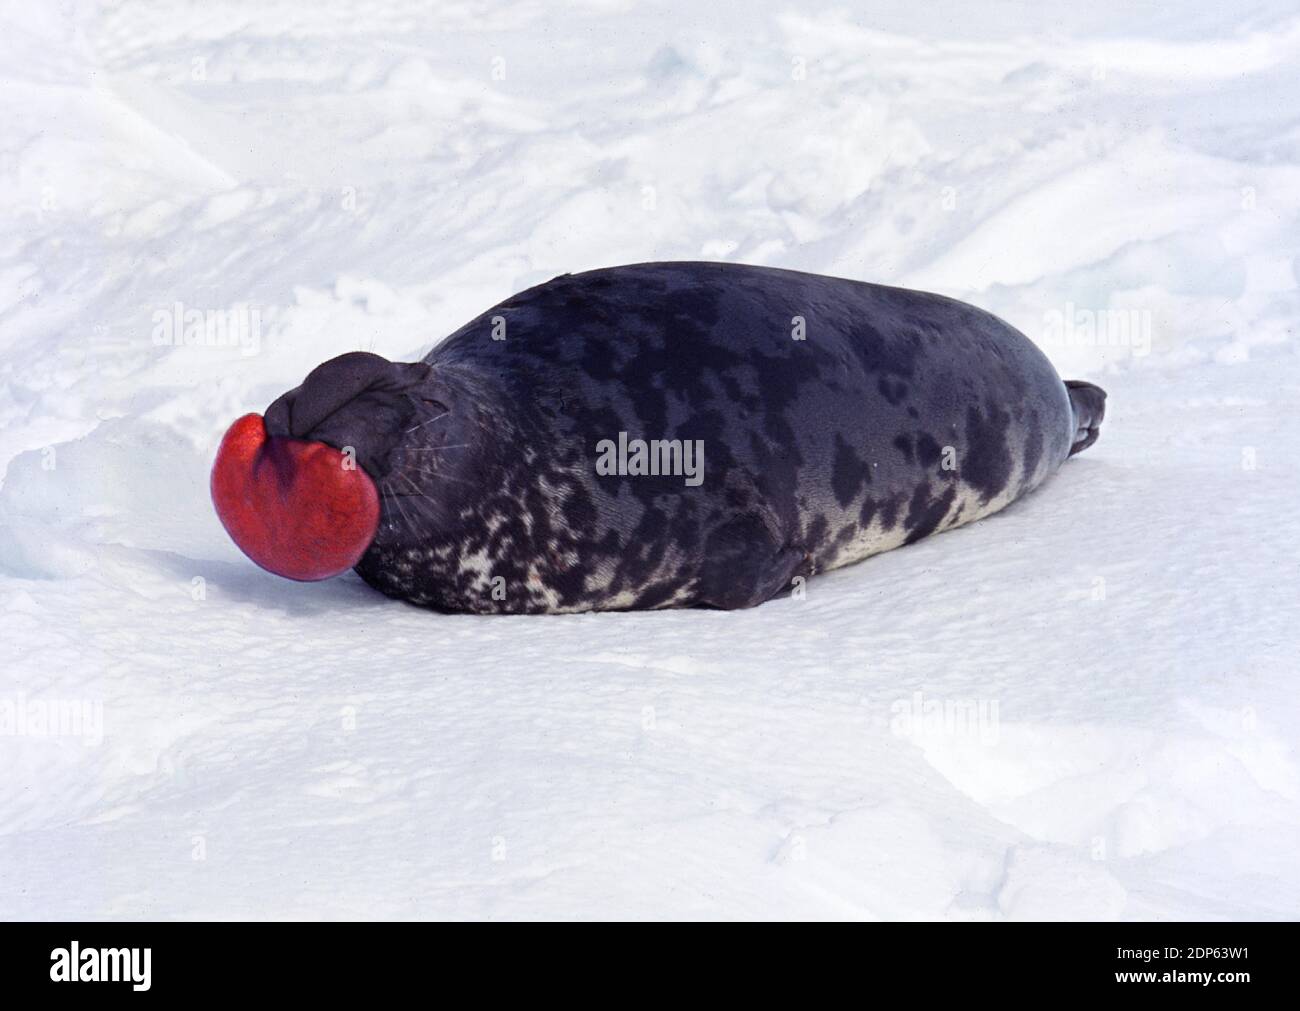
(650, 436)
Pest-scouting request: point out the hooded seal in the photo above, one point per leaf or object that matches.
(651, 436)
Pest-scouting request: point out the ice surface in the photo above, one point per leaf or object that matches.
(1083, 707)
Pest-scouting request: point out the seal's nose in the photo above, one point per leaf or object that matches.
(358, 402)
(300, 509)
(327, 388)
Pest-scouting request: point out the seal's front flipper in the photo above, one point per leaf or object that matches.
(1088, 403)
(745, 565)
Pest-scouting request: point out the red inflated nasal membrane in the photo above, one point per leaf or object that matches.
(299, 509)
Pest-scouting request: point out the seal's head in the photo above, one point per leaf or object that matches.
(300, 490)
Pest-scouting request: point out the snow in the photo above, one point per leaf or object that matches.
(1083, 707)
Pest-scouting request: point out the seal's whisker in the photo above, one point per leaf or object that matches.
(418, 493)
(401, 509)
(429, 422)
(440, 477)
(415, 489)
(437, 449)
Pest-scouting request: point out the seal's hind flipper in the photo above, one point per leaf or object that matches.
(1088, 403)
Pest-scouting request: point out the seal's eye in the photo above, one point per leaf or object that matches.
(300, 509)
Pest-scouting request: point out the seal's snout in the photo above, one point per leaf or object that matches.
(301, 509)
(327, 388)
(359, 402)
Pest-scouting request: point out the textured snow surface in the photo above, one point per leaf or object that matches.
(1083, 707)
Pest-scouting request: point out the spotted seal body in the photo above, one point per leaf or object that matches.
(836, 419)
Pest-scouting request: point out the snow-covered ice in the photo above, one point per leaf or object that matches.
(1084, 707)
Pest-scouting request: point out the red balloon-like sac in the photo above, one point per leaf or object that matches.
(299, 509)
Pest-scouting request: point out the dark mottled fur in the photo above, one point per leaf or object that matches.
(902, 413)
